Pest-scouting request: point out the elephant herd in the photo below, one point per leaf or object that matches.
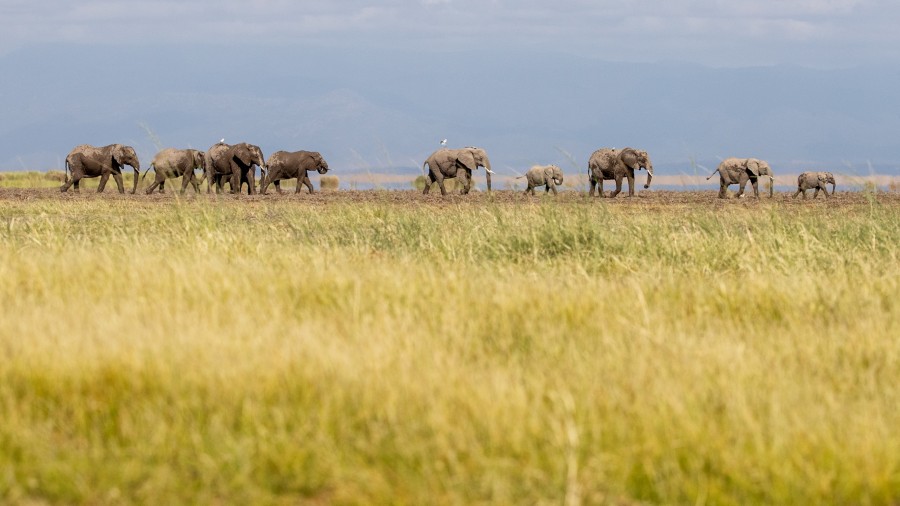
(235, 164)
(221, 163)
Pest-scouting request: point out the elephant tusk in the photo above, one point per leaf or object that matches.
(489, 171)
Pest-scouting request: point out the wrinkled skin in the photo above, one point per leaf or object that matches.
(609, 163)
(456, 163)
(237, 163)
(817, 180)
(288, 165)
(212, 154)
(171, 163)
(549, 176)
(89, 161)
(740, 170)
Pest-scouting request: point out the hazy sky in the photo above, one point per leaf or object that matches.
(818, 33)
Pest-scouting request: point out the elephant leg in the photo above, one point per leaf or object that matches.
(529, 189)
(466, 178)
(593, 186)
(755, 183)
(103, 179)
(440, 182)
(78, 185)
(152, 187)
(630, 177)
(186, 179)
(251, 182)
(308, 183)
(804, 194)
(723, 189)
(162, 186)
(68, 183)
(796, 193)
(236, 183)
(741, 186)
(618, 187)
(600, 187)
(551, 187)
(119, 182)
(278, 187)
(816, 193)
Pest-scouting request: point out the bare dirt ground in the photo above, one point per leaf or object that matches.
(645, 198)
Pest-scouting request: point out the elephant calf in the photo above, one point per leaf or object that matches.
(817, 180)
(549, 176)
(172, 162)
(288, 165)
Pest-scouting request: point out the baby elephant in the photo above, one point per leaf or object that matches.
(543, 175)
(817, 180)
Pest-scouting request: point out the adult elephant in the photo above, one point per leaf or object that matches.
(610, 163)
(740, 170)
(288, 165)
(450, 163)
(171, 163)
(89, 161)
(237, 163)
(817, 180)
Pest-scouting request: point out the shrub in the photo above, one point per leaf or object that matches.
(329, 183)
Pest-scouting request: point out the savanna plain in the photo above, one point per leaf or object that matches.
(385, 347)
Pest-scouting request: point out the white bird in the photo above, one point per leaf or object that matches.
(444, 142)
(222, 140)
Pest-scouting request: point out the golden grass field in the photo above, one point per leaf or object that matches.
(385, 347)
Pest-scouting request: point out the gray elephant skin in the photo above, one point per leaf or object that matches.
(613, 164)
(237, 163)
(740, 170)
(212, 154)
(456, 163)
(172, 163)
(283, 165)
(549, 176)
(817, 180)
(89, 161)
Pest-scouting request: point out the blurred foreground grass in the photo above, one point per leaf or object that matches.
(281, 353)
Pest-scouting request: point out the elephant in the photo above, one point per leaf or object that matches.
(89, 161)
(739, 171)
(288, 165)
(610, 163)
(549, 176)
(237, 162)
(817, 180)
(450, 163)
(173, 162)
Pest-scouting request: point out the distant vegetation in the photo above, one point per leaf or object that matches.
(448, 351)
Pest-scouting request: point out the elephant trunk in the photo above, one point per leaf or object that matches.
(833, 187)
(649, 178)
(137, 176)
(771, 186)
(488, 172)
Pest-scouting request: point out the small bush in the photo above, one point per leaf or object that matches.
(55, 175)
(329, 183)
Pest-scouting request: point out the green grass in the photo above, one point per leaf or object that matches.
(279, 352)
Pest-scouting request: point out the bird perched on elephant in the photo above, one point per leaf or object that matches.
(740, 170)
(90, 161)
(288, 165)
(171, 163)
(549, 176)
(610, 163)
(456, 163)
(817, 180)
(237, 163)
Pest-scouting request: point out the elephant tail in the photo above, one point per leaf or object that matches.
(424, 164)
(713, 174)
(146, 171)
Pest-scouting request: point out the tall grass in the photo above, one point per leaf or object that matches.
(286, 352)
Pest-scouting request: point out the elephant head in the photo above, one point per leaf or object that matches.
(828, 178)
(555, 173)
(756, 168)
(124, 155)
(472, 158)
(321, 164)
(635, 160)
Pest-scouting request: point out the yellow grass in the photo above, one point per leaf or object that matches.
(455, 351)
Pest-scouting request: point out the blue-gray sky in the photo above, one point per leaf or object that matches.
(804, 83)
(825, 33)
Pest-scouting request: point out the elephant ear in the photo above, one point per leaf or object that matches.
(630, 158)
(242, 154)
(753, 166)
(467, 159)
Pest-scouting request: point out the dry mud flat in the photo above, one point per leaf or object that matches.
(646, 198)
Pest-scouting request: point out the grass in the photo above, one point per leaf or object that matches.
(280, 352)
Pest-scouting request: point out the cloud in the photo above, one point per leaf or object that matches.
(691, 30)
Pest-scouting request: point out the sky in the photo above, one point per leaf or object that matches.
(378, 84)
(819, 33)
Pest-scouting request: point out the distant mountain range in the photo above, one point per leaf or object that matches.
(381, 112)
